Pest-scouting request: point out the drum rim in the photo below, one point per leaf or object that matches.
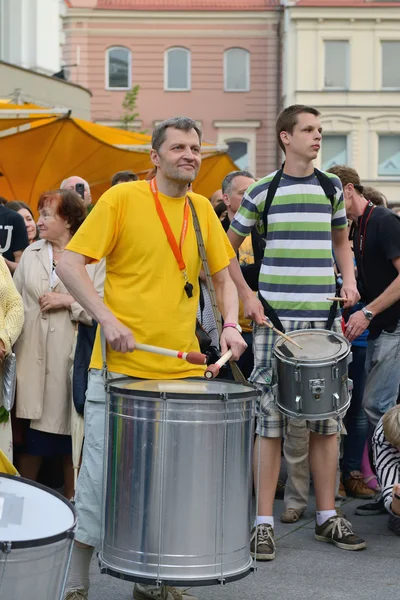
(310, 361)
(111, 388)
(7, 545)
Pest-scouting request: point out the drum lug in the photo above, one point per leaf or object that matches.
(336, 401)
(335, 372)
(299, 403)
(5, 547)
(275, 389)
(350, 358)
(297, 375)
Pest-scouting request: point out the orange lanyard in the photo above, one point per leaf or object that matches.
(177, 250)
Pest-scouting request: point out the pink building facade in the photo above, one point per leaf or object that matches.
(214, 60)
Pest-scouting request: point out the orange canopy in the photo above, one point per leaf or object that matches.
(39, 158)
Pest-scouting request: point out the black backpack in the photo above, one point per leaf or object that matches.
(330, 192)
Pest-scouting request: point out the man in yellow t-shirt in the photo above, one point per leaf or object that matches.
(145, 231)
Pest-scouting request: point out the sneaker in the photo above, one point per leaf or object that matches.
(340, 513)
(280, 490)
(77, 595)
(152, 592)
(291, 515)
(265, 542)
(338, 531)
(394, 524)
(372, 508)
(356, 487)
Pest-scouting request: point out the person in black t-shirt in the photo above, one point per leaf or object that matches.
(377, 252)
(13, 236)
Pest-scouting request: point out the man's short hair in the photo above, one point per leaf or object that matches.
(374, 196)
(347, 175)
(3, 201)
(181, 123)
(65, 182)
(123, 176)
(287, 119)
(391, 426)
(227, 182)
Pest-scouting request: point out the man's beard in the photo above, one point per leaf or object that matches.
(180, 175)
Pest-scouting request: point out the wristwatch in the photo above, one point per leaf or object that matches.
(367, 314)
(235, 325)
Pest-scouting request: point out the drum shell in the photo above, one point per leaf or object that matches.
(295, 397)
(178, 488)
(35, 573)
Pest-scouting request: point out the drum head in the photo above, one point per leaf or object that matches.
(317, 345)
(30, 514)
(181, 388)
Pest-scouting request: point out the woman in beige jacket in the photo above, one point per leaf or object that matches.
(44, 348)
(11, 322)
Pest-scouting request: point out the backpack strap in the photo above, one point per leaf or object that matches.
(272, 188)
(327, 185)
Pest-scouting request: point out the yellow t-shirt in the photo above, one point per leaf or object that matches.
(246, 257)
(144, 287)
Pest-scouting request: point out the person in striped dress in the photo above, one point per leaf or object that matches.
(386, 449)
(296, 277)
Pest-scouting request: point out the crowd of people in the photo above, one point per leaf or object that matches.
(277, 248)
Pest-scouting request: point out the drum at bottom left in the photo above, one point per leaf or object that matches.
(37, 529)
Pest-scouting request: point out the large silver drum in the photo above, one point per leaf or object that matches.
(178, 483)
(312, 383)
(37, 528)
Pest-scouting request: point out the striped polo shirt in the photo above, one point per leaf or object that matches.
(296, 274)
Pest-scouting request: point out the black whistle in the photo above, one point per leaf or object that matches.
(188, 289)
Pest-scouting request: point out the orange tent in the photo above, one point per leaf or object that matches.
(53, 148)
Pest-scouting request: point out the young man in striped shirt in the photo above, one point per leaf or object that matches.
(296, 278)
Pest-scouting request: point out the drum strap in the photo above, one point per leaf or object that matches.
(237, 373)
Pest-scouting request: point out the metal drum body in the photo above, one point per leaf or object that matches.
(312, 383)
(37, 528)
(178, 486)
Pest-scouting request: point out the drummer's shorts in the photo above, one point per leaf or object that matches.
(89, 492)
(271, 423)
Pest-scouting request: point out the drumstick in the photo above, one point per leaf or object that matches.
(213, 370)
(194, 358)
(337, 299)
(286, 337)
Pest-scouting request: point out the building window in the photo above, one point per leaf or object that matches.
(239, 153)
(177, 70)
(390, 64)
(118, 68)
(336, 65)
(237, 70)
(389, 156)
(334, 151)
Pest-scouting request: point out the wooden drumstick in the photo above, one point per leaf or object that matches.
(337, 299)
(213, 370)
(286, 337)
(194, 358)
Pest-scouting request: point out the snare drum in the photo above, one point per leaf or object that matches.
(312, 383)
(37, 528)
(178, 481)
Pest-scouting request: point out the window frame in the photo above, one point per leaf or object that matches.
(337, 135)
(226, 53)
(379, 176)
(347, 71)
(383, 87)
(116, 89)
(189, 69)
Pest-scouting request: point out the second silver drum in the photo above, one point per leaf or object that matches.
(178, 481)
(312, 382)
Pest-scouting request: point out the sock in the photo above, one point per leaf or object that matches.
(259, 520)
(78, 576)
(324, 515)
